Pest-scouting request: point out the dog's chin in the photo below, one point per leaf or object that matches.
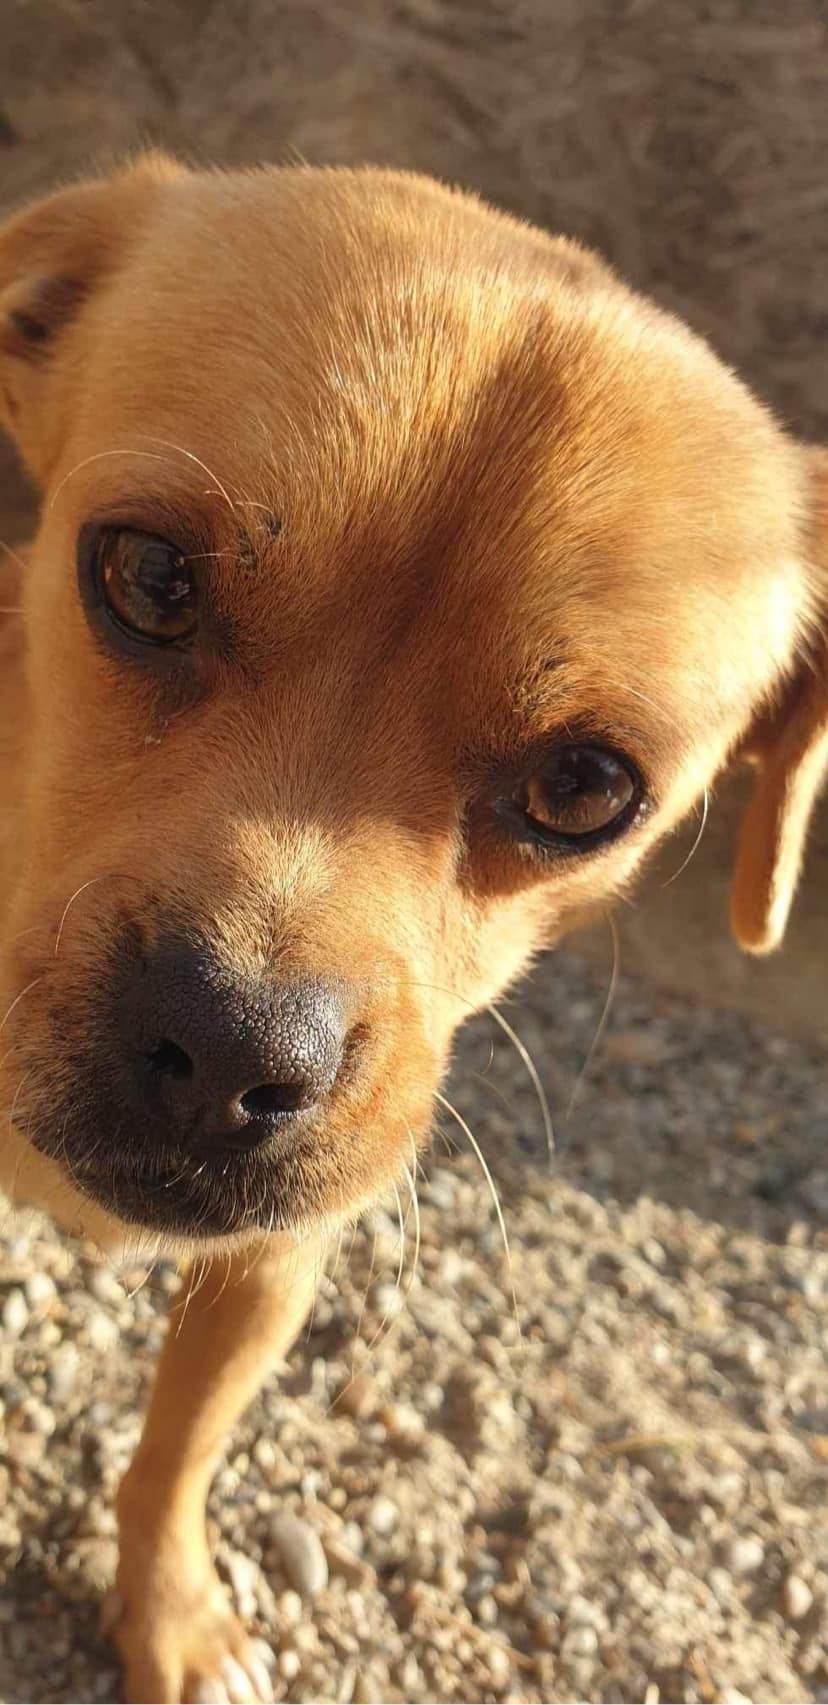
(179, 1202)
(184, 1197)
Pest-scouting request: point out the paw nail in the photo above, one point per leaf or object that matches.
(209, 1692)
(237, 1681)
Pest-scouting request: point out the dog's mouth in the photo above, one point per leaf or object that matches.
(224, 1195)
(178, 1199)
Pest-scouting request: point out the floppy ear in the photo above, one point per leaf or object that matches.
(53, 257)
(789, 745)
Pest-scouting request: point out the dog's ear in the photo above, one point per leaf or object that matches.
(788, 744)
(53, 257)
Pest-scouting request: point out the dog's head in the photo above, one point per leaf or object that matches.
(401, 579)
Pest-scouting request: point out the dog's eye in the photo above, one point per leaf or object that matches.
(581, 796)
(145, 585)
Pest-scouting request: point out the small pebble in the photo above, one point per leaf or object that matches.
(745, 1554)
(15, 1314)
(451, 1580)
(345, 1562)
(302, 1554)
(410, 1675)
(101, 1331)
(401, 1421)
(289, 1664)
(499, 1666)
(367, 1690)
(352, 1535)
(101, 1281)
(383, 1515)
(41, 1290)
(40, 1418)
(347, 1680)
(291, 1608)
(441, 1188)
(721, 1585)
(62, 1371)
(479, 1584)
(582, 1609)
(357, 1398)
(265, 1454)
(797, 1598)
(547, 1633)
(310, 1484)
(580, 1641)
(387, 1301)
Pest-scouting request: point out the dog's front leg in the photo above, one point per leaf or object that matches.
(176, 1632)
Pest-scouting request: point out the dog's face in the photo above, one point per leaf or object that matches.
(401, 580)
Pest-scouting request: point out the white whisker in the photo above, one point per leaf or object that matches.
(525, 1056)
(372, 1342)
(100, 456)
(491, 1187)
(401, 1223)
(222, 1288)
(191, 457)
(368, 1283)
(131, 1295)
(69, 904)
(605, 1012)
(696, 843)
(409, 1178)
(15, 555)
(18, 998)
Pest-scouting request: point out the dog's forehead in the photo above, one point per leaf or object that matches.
(424, 431)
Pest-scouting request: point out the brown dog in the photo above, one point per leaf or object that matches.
(402, 578)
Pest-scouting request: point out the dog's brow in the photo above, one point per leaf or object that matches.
(192, 529)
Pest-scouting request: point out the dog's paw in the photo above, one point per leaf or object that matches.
(188, 1650)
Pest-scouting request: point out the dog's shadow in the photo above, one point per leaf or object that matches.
(694, 1107)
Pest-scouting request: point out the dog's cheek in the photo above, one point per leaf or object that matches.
(487, 941)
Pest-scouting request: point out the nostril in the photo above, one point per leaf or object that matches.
(171, 1061)
(269, 1100)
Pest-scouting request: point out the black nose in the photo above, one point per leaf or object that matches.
(226, 1060)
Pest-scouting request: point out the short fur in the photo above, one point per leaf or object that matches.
(454, 488)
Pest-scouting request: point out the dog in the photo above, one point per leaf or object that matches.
(402, 578)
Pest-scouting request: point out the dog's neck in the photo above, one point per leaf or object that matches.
(13, 718)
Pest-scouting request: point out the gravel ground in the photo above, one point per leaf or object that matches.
(619, 1494)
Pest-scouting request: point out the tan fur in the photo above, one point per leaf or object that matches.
(514, 499)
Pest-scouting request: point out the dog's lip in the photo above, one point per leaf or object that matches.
(208, 1172)
(185, 1200)
(188, 1194)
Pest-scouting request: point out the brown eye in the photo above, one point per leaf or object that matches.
(145, 586)
(580, 796)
